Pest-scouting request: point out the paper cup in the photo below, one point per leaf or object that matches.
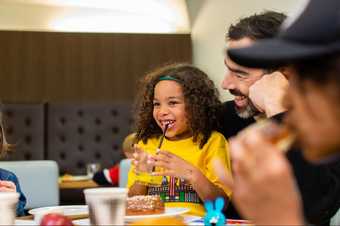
(106, 205)
(8, 202)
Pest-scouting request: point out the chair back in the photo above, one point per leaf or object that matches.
(124, 167)
(38, 181)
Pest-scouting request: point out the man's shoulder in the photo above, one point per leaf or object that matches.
(230, 123)
(227, 112)
(228, 106)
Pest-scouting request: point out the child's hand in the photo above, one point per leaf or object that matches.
(140, 160)
(173, 166)
(7, 186)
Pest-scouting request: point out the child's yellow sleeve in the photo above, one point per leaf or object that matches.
(218, 151)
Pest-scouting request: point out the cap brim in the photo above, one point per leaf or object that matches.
(276, 52)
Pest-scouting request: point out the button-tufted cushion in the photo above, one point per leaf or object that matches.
(84, 133)
(24, 127)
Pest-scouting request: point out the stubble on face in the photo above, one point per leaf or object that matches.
(247, 111)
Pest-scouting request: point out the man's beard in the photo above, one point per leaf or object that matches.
(247, 111)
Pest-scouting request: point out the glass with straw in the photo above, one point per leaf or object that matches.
(146, 178)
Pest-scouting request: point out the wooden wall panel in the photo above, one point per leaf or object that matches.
(82, 67)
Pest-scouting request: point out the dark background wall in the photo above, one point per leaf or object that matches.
(81, 67)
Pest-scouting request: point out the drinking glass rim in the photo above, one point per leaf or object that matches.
(106, 190)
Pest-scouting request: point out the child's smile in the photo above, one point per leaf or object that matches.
(170, 123)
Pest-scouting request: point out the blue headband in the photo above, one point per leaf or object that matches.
(168, 77)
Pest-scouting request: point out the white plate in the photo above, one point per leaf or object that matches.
(25, 222)
(76, 178)
(68, 210)
(169, 211)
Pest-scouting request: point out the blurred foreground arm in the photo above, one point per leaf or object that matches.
(264, 190)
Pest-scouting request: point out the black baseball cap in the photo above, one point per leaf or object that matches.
(315, 33)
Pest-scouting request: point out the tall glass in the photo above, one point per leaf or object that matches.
(106, 205)
(146, 177)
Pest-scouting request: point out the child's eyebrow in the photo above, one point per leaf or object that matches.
(171, 98)
(175, 97)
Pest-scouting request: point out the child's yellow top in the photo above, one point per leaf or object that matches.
(177, 192)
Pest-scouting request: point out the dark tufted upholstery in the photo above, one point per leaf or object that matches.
(78, 134)
(24, 126)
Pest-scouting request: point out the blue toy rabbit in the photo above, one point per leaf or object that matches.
(214, 216)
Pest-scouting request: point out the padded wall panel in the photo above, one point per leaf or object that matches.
(83, 133)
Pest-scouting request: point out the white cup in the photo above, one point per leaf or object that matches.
(41, 213)
(106, 205)
(8, 202)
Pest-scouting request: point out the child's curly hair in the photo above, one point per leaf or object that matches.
(201, 99)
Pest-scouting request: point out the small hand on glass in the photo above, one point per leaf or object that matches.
(172, 165)
(140, 161)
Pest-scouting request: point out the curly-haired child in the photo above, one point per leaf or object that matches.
(182, 98)
(8, 180)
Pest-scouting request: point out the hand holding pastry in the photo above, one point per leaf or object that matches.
(264, 189)
(280, 136)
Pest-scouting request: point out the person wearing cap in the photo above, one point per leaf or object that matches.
(258, 94)
(265, 190)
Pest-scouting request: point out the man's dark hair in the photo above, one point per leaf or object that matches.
(257, 26)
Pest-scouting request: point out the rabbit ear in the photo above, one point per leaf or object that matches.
(208, 206)
(219, 204)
